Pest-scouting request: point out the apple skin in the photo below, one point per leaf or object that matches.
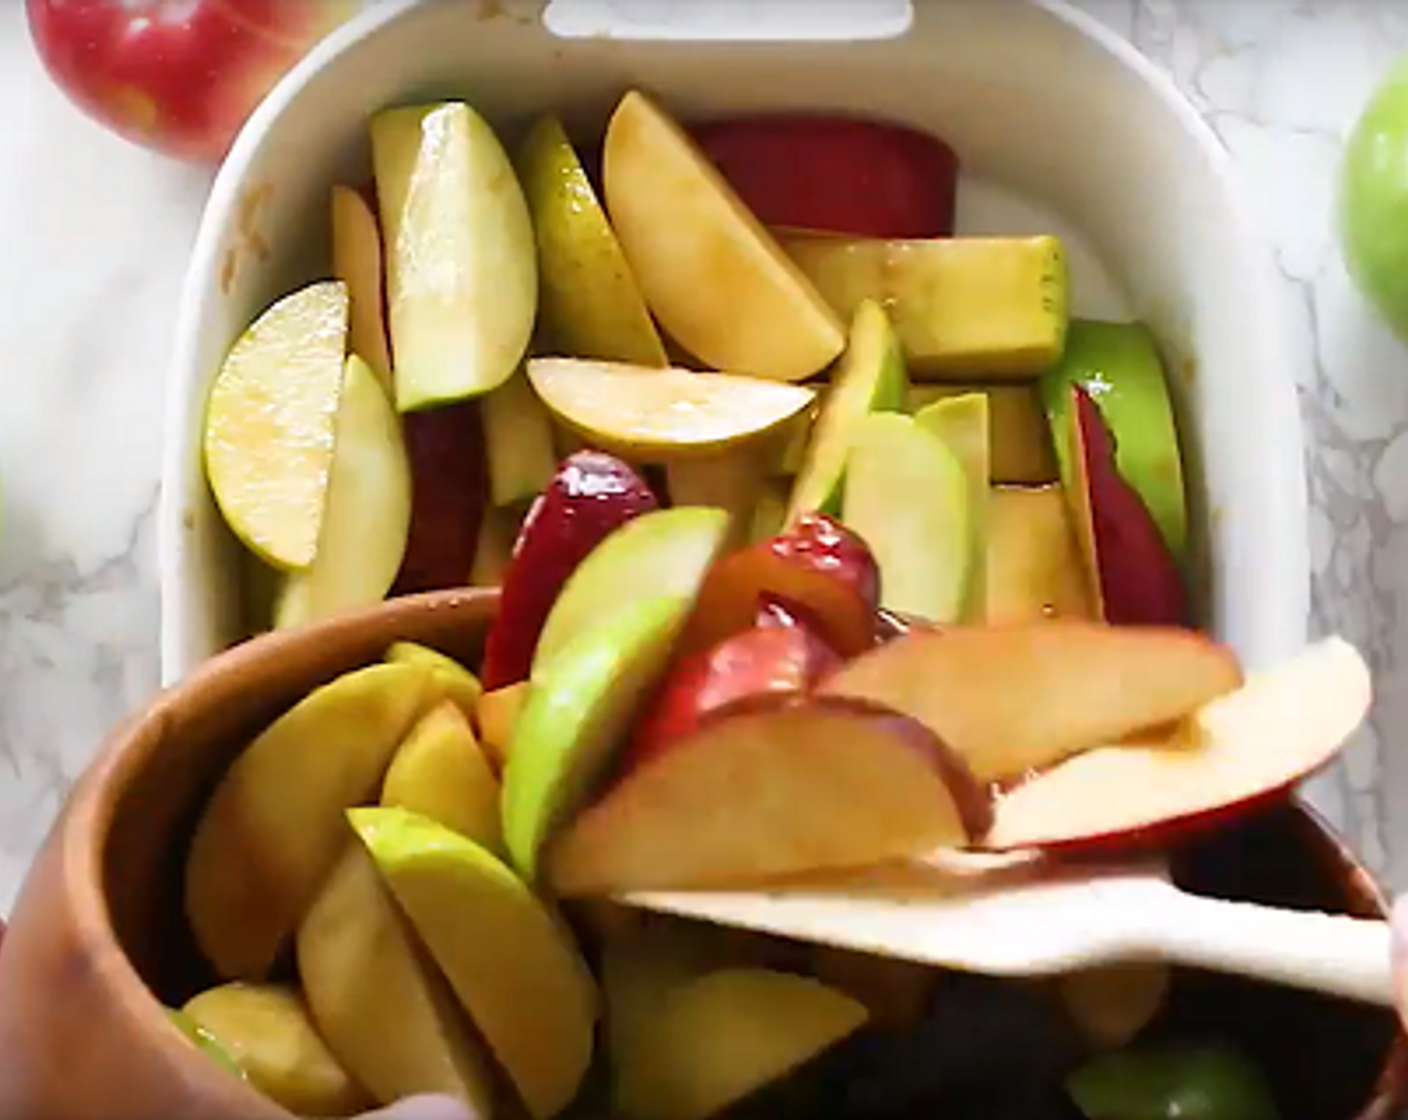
(1373, 201)
(767, 660)
(179, 76)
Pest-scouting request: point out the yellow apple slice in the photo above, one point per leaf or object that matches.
(384, 1010)
(511, 963)
(367, 521)
(1034, 567)
(461, 264)
(270, 424)
(663, 414)
(274, 826)
(451, 679)
(716, 279)
(356, 261)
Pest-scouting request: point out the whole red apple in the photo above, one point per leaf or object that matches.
(179, 76)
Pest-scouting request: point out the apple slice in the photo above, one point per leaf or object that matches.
(461, 263)
(771, 788)
(907, 496)
(1111, 1004)
(733, 481)
(1034, 569)
(577, 715)
(268, 439)
(493, 551)
(589, 303)
(451, 679)
(369, 486)
(1240, 749)
(1012, 699)
(660, 554)
(768, 660)
(712, 274)
(839, 174)
(647, 413)
(446, 449)
(963, 424)
(871, 378)
(818, 564)
(1019, 438)
(511, 963)
(497, 718)
(1131, 573)
(718, 1038)
(591, 495)
(518, 442)
(356, 261)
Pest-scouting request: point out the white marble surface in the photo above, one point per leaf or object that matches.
(93, 242)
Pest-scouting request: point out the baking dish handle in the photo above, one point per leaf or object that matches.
(729, 20)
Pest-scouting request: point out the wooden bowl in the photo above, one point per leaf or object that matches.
(97, 942)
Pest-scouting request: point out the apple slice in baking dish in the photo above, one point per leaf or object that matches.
(1233, 753)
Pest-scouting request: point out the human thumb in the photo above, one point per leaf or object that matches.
(428, 1106)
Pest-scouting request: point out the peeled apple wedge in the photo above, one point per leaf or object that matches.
(908, 497)
(511, 963)
(656, 414)
(449, 678)
(270, 424)
(461, 262)
(274, 826)
(378, 1000)
(1034, 567)
(1019, 439)
(1082, 685)
(517, 442)
(356, 261)
(1254, 743)
(589, 303)
(715, 278)
(367, 521)
(965, 307)
(871, 377)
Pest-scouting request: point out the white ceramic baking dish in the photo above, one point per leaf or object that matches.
(1061, 127)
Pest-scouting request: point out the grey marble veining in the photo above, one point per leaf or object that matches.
(94, 236)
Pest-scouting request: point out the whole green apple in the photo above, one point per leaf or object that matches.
(1374, 200)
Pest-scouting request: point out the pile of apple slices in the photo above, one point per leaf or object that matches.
(736, 310)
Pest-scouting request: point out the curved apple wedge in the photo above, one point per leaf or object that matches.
(1255, 743)
(648, 413)
(769, 789)
(1010, 699)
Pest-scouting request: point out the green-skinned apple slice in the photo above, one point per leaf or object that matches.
(963, 424)
(906, 495)
(1233, 752)
(1019, 438)
(517, 442)
(1081, 685)
(662, 414)
(579, 709)
(661, 554)
(589, 302)
(1118, 365)
(369, 485)
(716, 1039)
(870, 378)
(510, 961)
(767, 789)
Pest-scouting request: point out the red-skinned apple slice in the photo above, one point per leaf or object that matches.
(837, 174)
(765, 661)
(1134, 577)
(1233, 753)
(448, 487)
(771, 788)
(818, 564)
(591, 495)
(1018, 698)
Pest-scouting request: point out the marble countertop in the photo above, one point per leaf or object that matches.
(96, 234)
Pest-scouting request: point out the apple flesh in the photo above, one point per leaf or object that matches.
(590, 496)
(863, 785)
(1019, 438)
(818, 565)
(1034, 567)
(518, 442)
(1081, 685)
(964, 425)
(497, 718)
(714, 277)
(179, 78)
(1111, 1004)
(769, 660)
(356, 261)
(836, 174)
(1233, 752)
(448, 483)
